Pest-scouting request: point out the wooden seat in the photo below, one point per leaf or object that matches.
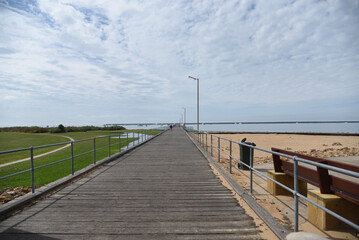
(320, 177)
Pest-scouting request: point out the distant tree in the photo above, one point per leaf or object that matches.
(114, 128)
(61, 128)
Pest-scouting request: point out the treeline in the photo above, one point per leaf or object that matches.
(59, 129)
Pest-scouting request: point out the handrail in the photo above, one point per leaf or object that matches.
(141, 135)
(296, 194)
(336, 169)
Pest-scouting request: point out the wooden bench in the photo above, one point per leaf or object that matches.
(320, 177)
(330, 187)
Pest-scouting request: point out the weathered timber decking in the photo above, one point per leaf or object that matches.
(165, 189)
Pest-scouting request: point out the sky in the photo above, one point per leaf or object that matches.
(80, 62)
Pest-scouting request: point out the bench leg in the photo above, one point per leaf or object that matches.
(334, 203)
(286, 180)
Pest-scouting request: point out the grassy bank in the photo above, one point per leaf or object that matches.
(15, 140)
(18, 140)
(53, 172)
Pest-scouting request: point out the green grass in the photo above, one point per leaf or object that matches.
(56, 171)
(53, 172)
(15, 140)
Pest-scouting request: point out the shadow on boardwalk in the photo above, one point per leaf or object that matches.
(165, 189)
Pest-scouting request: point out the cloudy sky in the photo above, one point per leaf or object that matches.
(80, 62)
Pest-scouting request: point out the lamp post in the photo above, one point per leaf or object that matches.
(197, 100)
(184, 118)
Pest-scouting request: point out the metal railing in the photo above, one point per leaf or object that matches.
(202, 138)
(141, 135)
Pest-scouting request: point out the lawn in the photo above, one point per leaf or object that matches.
(56, 171)
(15, 140)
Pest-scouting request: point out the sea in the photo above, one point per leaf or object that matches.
(352, 128)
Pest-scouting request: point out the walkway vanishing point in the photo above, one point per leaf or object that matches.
(165, 189)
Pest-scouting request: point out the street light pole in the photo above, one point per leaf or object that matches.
(197, 100)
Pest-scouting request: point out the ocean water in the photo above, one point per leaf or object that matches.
(292, 127)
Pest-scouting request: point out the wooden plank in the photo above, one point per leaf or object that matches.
(346, 189)
(305, 174)
(346, 166)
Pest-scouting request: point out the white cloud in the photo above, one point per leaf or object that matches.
(140, 53)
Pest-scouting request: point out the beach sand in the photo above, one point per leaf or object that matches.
(322, 146)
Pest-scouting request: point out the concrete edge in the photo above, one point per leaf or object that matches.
(268, 219)
(20, 202)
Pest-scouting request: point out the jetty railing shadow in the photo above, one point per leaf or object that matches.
(125, 141)
(206, 141)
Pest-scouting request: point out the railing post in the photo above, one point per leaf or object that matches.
(94, 150)
(72, 158)
(211, 146)
(32, 170)
(109, 146)
(219, 149)
(230, 156)
(119, 142)
(202, 139)
(251, 170)
(296, 213)
(206, 143)
(239, 155)
(127, 139)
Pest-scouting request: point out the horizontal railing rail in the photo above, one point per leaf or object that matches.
(202, 138)
(138, 136)
(51, 145)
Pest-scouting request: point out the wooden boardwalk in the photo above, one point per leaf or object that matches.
(164, 189)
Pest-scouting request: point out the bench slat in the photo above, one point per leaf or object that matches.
(345, 185)
(305, 174)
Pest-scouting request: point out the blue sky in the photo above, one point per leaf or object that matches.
(96, 62)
